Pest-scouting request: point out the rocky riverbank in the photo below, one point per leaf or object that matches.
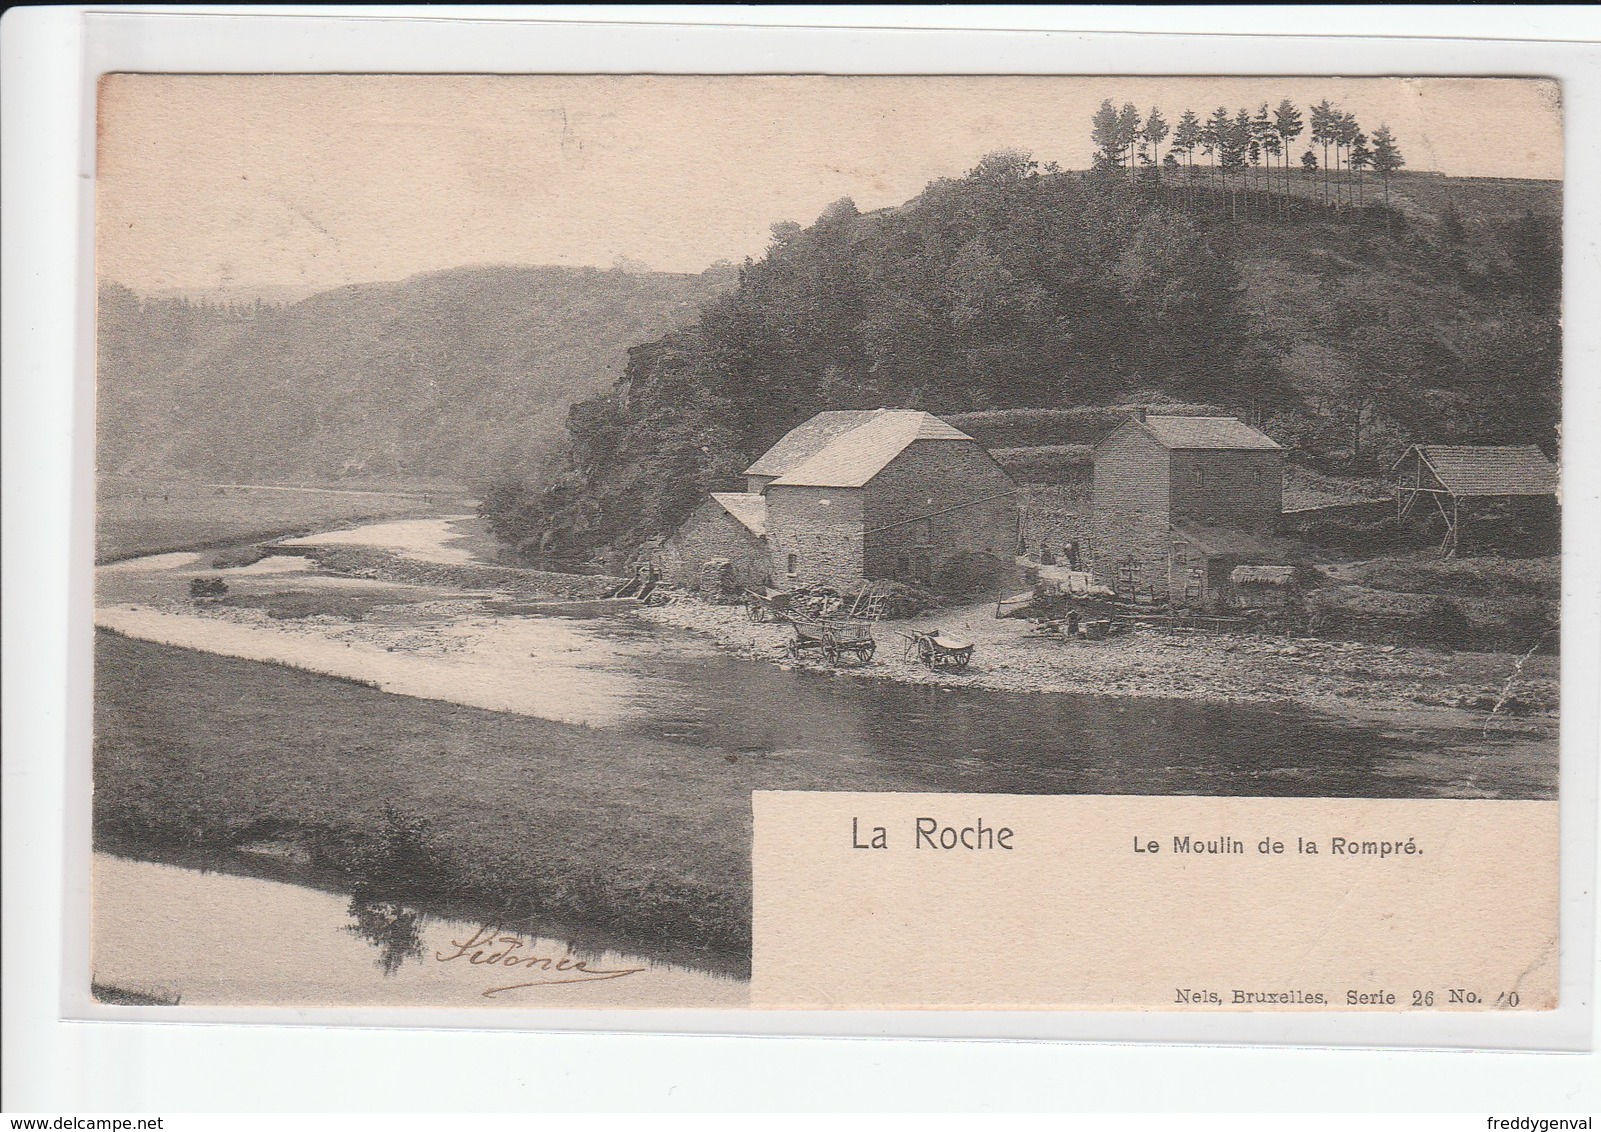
(1499, 689)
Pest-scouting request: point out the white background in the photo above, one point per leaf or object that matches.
(52, 1065)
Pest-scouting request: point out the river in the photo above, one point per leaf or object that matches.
(159, 926)
(200, 938)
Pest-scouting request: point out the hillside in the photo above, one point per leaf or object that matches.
(1345, 330)
(452, 375)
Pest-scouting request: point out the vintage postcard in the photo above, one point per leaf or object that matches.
(827, 543)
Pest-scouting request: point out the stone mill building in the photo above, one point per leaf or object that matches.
(1180, 501)
(849, 496)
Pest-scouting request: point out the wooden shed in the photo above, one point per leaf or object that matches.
(1450, 475)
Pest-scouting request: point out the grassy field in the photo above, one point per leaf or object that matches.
(152, 518)
(501, 815)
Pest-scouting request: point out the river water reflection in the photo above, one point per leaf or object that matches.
(215, 939)
(933, 738)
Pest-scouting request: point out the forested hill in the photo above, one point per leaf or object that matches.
(452, 375)
(1345, 326)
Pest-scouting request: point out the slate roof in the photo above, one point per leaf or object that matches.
(1467, 469)
(806, 440)
(1205, 432)
(749, 508)
(854, 456)
(1230, 542)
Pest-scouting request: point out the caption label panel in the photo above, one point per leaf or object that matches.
(986, 901)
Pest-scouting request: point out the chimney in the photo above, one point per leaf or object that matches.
(1139, 414)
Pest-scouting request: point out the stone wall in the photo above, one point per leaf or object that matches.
(711, 532)
(1054, 515)
(936, 508)
(819, 531)
(1129, 520)
(1232, 487)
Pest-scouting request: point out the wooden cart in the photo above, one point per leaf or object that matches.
(832, 639)
(851, 637)
(767, 605)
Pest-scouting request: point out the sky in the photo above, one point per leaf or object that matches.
(207, 181)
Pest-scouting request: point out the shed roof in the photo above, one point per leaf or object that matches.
(855, 456)
(747, 507)
(1230, 542)
(1206, 432)
(1262, 575)
(806, 440)
(1468, 469)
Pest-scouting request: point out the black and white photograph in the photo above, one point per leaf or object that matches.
(500, 479)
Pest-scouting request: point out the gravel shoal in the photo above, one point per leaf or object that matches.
(1349, 678)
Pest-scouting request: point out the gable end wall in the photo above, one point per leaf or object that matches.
(970, 504)
(1130, 514)
(822, 527)
(711, 532)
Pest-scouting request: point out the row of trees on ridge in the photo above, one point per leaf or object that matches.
(1246, 150)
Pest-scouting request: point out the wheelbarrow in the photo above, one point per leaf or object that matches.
(940, 651)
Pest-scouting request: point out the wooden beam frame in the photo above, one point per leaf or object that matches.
(1406, 495)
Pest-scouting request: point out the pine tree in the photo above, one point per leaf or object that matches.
(1186, 136)
(1336, 128)
(1361, 158)
(1273, 147)
(1128, 132)
(1263, 139)
(1214, 141)
(1386, 157)
(1287, 124)
(1235, 153)
(1346, 135)
(1103, 132)
(1323, 122)
(1156, 131)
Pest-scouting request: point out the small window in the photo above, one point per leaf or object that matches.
(902, 566)
(1261, 475)
(794, 564)
(1200, 477)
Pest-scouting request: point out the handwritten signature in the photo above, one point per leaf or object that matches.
(487, 948)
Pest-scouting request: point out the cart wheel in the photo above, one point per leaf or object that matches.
(962, 658)
(754, 612)
(867, 651)
(830, 654)
(792, 650)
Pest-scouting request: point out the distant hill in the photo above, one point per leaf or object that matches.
(449, 375)
(1344, 316)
